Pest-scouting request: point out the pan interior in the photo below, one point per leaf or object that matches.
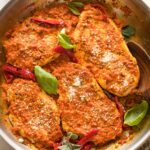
(141, 24)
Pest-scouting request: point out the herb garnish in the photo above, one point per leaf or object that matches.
(128, 31)
(67, 145)
(65, 41)
(47, 81)
(72, 136)
(136, 114)
(73, 6)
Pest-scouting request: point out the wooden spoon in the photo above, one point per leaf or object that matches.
(143, 60)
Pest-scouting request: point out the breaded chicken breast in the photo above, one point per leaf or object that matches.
(33, 114)
(101, 47)
(84, 106)
(31, 43)
(58, 62)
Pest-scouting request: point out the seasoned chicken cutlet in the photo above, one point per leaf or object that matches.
(58, 62)
(30, 43)
(84, 106)
(101, 47)
(33, 114)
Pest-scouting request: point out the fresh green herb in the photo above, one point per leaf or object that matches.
(72, 136)
(77, 4)
(73, 6)
(135, 115)
(74, 10)
(47, 81)
(65, 41)
(128, 31)
(66, 145)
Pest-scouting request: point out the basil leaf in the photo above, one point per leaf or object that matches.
(76, 147)
(65, 42)
(64, 147)
(128, 31)
(135, 115)
(47, 81)
(73, 7)
(72, 136)
(74, 10)
(70, 147)
(77, 4)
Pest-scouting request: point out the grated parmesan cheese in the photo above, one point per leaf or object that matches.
(108, 57)
(77, 81)
(71, 93)
(20, 140)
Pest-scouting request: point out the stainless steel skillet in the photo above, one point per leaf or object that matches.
(16, 9)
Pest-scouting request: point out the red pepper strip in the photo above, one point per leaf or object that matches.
(102, 9)
(68, 53)
(19, 72)
(53, 145)
(8, 77)
(88, 146)
(48, 22)
(120, 107)
(87, 137)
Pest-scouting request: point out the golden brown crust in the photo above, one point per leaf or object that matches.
(101, 47)
(58, 62)
(30, 44)
(84, 106)
(33, 114)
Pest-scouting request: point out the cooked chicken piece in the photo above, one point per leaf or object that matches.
(101, 47)
(58, 62)
(30, 43)
(33, 114)
(84, 106)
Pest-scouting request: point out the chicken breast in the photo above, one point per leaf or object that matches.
(101, 47)
(58, 62)
(84, 106)
(33, 114)
(29, 44)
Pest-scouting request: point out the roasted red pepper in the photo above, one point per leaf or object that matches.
(47, 22)
(87, 137)
(104, 15)
(120, 108)
(8, 77)
(53, 145)
(19, 72)
(68, 53)
(87, 146)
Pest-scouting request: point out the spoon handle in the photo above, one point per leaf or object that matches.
(143, 60)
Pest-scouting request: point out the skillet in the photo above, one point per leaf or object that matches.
(140, 19)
